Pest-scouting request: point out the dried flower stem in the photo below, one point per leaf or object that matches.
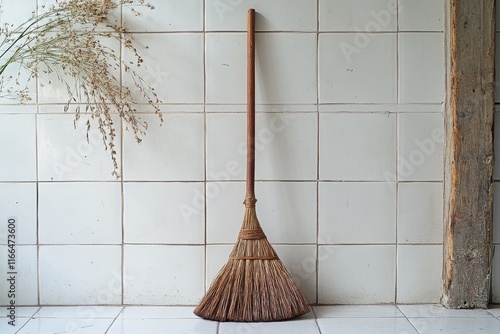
(67, 39)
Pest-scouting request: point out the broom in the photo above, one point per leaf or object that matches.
(254, 285)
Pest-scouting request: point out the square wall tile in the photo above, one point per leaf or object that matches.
(495, 276)
(357, 71)
(19, 132)
(166, 213)
(226, 146)
(421, 145)
(286, 211)
(421, 15)
(173, 66)
(285, 68)
(286, 146)
(225, 211)
(171, 152)
(276, 15)
(80, 213)
(357, 147)
(164, 275)
(496, 136)
(419, 274)
(25, 280)
(80, 275)
(497, 61)
(420, 213)
(358, 15)
(421, 67)
(167, 15)
(299, 260)
(19, 201)
(496, 213)
(65, 153)
(356, 274)
(226, 67)
(14, 16)
(357, 213)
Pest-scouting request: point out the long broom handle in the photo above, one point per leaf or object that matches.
(251, 102)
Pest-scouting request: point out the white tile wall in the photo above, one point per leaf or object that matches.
(358, 15)
(421, 15)
(420, 212)
(19, 201)
(349, 97)
(79, 213)
(279, 78)
(163, 275)
(80, 275)
(419, 274)
(286, 146)
(357, 147)
(18, 130)
(163, 213)
(277, 15)
(495, 275)
(425, 52)
(356, 274)
(357, 213)
(26, 278)
(178, 15)
(354, 69)
(496, 214)
(65, 154)
(176, 76)
(171, 152)
(421, 142)
(286, 211)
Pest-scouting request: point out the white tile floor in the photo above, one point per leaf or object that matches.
(371, 319)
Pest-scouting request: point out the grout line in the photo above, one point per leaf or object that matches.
(37, 216)
(205, 152)
(398, 98)
(122, 150)
(317, 152)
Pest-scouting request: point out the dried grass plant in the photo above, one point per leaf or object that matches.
(67, 41)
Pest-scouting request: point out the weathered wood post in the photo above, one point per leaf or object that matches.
(469, 153)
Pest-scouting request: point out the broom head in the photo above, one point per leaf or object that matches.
(254, 285)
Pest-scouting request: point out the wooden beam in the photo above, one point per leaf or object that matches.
(469, 153)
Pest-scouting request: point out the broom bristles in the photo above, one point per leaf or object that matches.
(254, 285)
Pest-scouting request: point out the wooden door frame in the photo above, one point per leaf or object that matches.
(469, 155)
